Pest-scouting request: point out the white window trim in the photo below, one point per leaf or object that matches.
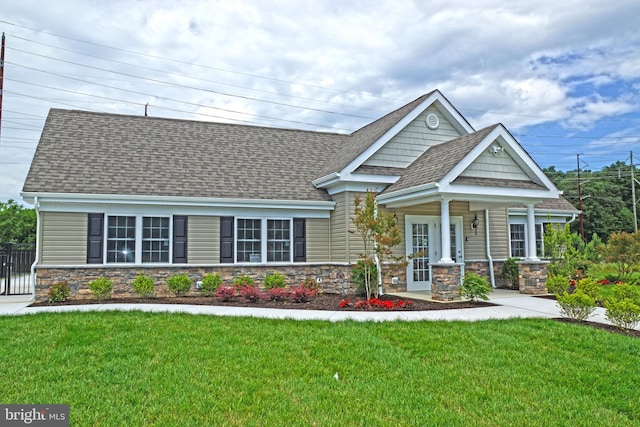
(138, 241)
(522, 221)
(263, 240)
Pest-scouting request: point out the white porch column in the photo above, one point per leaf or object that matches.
(445, 233)
(532, 254)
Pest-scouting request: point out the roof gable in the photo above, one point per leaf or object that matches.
(414, 139)
(440, 172)
(365, 142)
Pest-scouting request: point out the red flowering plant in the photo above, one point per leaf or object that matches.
(277, 294)
(250, 293)
(226, 293)
(302, 293)
(345, 303)
(377, 303)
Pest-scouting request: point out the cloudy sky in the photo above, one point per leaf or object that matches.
(563, 76)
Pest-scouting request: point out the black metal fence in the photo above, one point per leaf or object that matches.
(15, 268)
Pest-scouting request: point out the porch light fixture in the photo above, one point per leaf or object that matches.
(474, 223)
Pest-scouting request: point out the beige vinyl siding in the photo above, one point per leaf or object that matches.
(413, 140)
(203, 241)
(339, 221)
(500, 165)
(64, 238)
(499, 233)
(356, 245)
(318, 241)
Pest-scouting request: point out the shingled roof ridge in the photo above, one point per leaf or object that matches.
(205, 122)
(418, 100)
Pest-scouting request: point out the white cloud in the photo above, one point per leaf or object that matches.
(572, 64)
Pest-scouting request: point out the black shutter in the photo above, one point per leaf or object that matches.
(179, 239)
(95, 233)
(299, 240)
(226, 239)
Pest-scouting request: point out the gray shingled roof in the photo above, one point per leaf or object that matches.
(98, 153)
(438, 160)
(559, 204)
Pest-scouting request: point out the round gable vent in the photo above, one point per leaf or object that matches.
(432, 121)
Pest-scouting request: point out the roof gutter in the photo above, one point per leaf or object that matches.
(176, 201)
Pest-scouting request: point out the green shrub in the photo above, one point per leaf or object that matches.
(101, 288)
(511, 272)
(623, 313)
(358, 273)
(210, 284)
(179, 284)
(275, 280)
(59, 292)
(557, 285)
(240, 281)
(475, 287)
(623, 307)
(626, 291)
(143, 285)
(576, 306)
(588, 286)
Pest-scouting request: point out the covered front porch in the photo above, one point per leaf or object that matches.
(446, 238)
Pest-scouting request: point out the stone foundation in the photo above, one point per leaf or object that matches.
(334, 278)
(445, 281)
(533, 277)
(482, 268)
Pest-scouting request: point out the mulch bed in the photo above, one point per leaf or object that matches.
(321, 302)
(318, 302)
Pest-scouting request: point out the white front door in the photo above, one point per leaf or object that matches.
(423, 245)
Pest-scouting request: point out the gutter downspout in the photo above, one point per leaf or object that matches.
(488, 242)
(573, 218)
(32, 279)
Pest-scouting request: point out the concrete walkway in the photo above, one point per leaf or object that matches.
(509, 304)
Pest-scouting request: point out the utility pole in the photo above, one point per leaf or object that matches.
(1, 78)
(580, 199)
(633, 193)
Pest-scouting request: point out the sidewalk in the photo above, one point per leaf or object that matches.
(508, 306)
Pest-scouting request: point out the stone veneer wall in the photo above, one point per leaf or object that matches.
(445, 281)
(336, 278)
(482, 268)
(533, 277)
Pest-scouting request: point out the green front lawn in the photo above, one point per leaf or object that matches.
(130, 369)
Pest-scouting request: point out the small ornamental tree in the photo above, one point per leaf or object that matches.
(623, 250)
(379, 232)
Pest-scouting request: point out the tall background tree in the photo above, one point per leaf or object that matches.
(17, 223)
(606, 198)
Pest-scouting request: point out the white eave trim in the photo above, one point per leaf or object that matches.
(543, 212)
(326, 180)
(120, 199)
(408, 194)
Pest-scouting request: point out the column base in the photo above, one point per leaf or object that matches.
(445, 281)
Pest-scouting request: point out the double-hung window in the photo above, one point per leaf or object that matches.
(518, 245)
(155, 239)
(263, 240)
(121, 239)
(249, 240)
(138, 239)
